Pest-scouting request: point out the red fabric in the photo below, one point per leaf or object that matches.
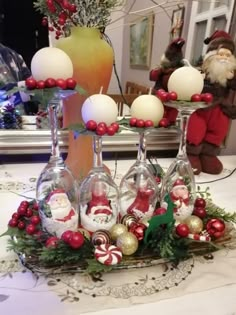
(208, 125)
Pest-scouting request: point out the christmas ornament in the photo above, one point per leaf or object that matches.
(128, 220)
(85, 233)
(117, 230)
(100, 108)
(101, 237)
(138, 230)
(51, 62)
(147, 107)
(76, 240)
(128, 243)
(108, 254)
(182, 230)
(200, 212)
(200, 237)
(215, 227)
(200, 203)
(194, 223)
(186, 81)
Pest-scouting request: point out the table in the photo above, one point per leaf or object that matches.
(209, 286)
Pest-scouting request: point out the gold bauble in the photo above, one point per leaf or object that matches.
(84, 232)
(194, 223)
(117, 230)
(128, 243)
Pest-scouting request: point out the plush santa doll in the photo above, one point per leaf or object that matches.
(62, 215)
(170, 61)
(209, 127)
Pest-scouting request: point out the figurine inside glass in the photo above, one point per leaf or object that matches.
(179, 182)
(98, 195)
(57, 190)
(139, 190)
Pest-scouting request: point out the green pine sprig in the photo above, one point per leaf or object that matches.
(214, 211)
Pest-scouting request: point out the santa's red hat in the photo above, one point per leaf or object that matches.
(179, 183)
(219, 39)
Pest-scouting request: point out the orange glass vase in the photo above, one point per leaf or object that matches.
(92, 59)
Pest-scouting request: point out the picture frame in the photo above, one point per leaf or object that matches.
(141, 37)
(177, 22)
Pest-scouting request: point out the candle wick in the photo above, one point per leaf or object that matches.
(150, 91)
(101, 89)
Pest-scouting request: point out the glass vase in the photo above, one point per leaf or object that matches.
(92, 59)
(56, 189)
(98, 195)
(139, 190)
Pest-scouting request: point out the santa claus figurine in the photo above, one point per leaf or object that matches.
(61, 216)
(208, 127)
(179, 195)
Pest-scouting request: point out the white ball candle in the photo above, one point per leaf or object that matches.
(186, 81)
(100, 108)
(51, 62)
(147, 107)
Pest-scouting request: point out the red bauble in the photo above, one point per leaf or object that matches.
(164, 122)
(66, 236)
(200, 212)
(70, 83)
(116, 126)
(111, 131)
(52, 241)
(30, 229)
(138, 230)
(76, 240)
(35, 219)
(207, 97)
(200, 202)
(215, 227)
(30, 83)
(148, 123)
(159, 211)
(196, 98)
(132, 122)
(40, 84)
(140, 123)
(182, 230)
(100, 130)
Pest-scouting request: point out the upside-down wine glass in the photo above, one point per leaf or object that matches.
(98, 195)
(139, 191)
(56, 189)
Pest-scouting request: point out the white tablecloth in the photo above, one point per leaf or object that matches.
(199, 285)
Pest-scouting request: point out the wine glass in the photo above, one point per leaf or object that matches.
(139, 190)
(56, 188)
(179, 182)
(98, 195)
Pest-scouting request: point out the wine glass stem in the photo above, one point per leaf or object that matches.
(142, 147)
(97, 149)
(52, 111)
(184, 119)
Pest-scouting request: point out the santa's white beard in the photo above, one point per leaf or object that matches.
(217, 71)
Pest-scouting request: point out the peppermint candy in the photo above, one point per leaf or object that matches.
(108, 254)
(200, 237)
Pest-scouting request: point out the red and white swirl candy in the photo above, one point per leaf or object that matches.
(108, 254)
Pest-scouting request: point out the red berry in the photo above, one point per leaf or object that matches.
(21, 225)
(71, 83)
(207, 97)
(132, 122)
(52, 241)
(140, 123)
(15, 215)
(160, 92)
(50, 83)
(35, 219)
(200, 212)
(76, 240)
(24, 203)
(30, 229)
(148, 123)
(13, 223)
(164, 96)
(35, 206)
(159, 211)
(30, 83)
(182, 230)
(66, 236)
(29, 213)
(200, 202)
(173, 96)
(116, 126)
(102, 124)
(40, 84)
(21, 210)
(100, 131)
(196, 98)
(111, 131)
(164, 122)
(61, 83)
(91, 125)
